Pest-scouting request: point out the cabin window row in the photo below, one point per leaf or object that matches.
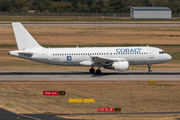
(82, 54)
(98, 53)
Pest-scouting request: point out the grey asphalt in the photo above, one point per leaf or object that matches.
(7, 115)
(95, 24)
(86, 76)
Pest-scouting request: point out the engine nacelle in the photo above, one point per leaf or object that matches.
(119, 66)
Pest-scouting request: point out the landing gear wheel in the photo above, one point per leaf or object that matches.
(149, 67)
(150, 71)
(98, 71)
(92, 70)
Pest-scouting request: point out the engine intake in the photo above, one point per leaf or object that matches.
(118, 66)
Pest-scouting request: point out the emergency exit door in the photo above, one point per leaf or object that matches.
(151, 53)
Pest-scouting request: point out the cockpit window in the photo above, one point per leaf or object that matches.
(161, 52)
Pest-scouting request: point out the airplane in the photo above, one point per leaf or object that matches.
(116, 58)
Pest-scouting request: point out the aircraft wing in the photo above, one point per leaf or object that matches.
(105, 60)
(96, 61)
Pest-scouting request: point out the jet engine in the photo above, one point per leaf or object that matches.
(118, 66)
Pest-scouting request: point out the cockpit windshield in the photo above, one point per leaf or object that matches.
(161, 52)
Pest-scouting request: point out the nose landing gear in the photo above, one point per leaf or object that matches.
(149, 67)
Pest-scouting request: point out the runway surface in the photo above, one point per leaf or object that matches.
(86, 76)
(95, 24)
(7, 115)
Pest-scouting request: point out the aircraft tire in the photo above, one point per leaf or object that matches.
(150, 71)
(92, 70)
(98, 71)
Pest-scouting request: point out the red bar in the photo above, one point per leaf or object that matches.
(50, 93)
(105, 109)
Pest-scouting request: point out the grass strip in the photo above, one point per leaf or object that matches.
(78, 18)
(96, 45)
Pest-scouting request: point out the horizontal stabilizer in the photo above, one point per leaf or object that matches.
(25, 53)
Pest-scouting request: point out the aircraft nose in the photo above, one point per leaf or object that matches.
(168, 57)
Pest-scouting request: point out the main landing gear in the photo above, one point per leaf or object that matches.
(92, 70)
(98, 71)
(149, 67)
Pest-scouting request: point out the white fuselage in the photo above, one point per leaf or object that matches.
(74, 56)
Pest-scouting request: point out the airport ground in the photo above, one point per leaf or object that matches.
(132, 97)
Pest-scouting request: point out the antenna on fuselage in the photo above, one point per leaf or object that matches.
(147, 45)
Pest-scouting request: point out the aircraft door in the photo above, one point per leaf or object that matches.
(44, 54)
(151, 53)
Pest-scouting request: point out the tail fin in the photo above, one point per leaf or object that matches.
(23, 38)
